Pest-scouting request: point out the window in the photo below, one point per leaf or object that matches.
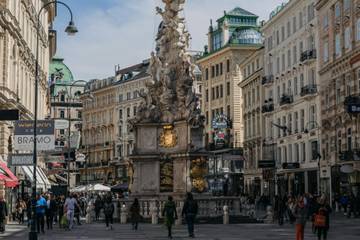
(282, 33)
(288, 29)
(312, 116)
(257, 64)
(277, 37)
(294, 24)
(300, 19)
(134, 110)
(217, 69)
(290, 153)
(207, 95)
(128, 96)
(278, 129)
(349, 142)
(311, 12)
(326, 51)
(296, 86)
(212, 114)
(228, 111)
(207, 117)
(245, 73)
(302, 120)
(228, 65)
(221, 68)
(120, 114)
(283, 62)
(325, 21)
(62, 131)
(62, 98)
(217, 92)
(212, 71)
(290, 123)
(314, 150)
(337, 10)
(358, 29)
(296, 123)
(228, 88)
(62, 114)
(347, 4)
(79, 114)
(295, 59)
(301, 80)
(221, 91)
(277, 65)
(128, 112)
(212, 93)
(338, 91)
(303, 155)
(284, 124)
(297, 152)
(206, 74)
(289, 58)
(347, 38)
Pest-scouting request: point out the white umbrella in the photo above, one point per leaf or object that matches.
(99, 188)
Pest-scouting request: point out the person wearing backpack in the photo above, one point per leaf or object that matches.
(109, 212)
(190, 210)
(170, 214)
(322, 219)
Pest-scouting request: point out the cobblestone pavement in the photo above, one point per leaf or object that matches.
(341, 228)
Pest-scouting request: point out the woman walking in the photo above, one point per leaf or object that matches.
(109, 212)
(300, 213)
(3, 213)
(135, 214)
(170, 215)
(322, 219)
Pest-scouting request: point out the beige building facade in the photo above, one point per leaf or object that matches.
(339, 69)
(17, 59)
(253, 96)
(292, 121)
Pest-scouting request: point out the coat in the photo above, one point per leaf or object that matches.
(301, 215)
(135, 213)
(3, 210)
(170, 213)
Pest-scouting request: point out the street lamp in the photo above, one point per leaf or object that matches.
(313, 125)
(70, 30)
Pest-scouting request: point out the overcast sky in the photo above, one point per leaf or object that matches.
(122, 32)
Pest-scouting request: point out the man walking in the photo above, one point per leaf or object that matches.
(3, 213)
(69, 205)
(190, 210)
(40, 212)
(50, 212)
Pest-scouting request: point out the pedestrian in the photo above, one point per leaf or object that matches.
(60, 208)
(190, 210)
(40, 212)
(50, 212)
(322, 219)
(77, 210)
(135, 214)
(28, 210)
(98, 205)
(300, 213)
(69, 207)
(3, 213)
(20, 210)
(170, 214)
(109, 212)
(344, 201)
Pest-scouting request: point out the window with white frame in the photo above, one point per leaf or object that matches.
(283, 62)
(295, 59)
(296, 122)
(347, 38)
(297, 152)
(326, 52)
(294, 24)
(303, 152)
(277, 65)
(301, 80)
(289, 58)
(302, 120)
(288, 29)
(337, 45)
(312, 116)
(337, 10)
(325, 21)
(290, 123)
(347, 4)
(296, 86)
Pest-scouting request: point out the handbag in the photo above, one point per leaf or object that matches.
(64, 221)
(319, 220)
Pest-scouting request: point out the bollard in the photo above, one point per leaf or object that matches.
(226, 215)
(269, 215)
(123, 215)
(154, 213)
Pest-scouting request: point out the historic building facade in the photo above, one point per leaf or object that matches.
(292, 121)
(339, 68)
(234, 38)
(99, 131)
(130, 86)
(253, 96)
(17, 59)
(66, 106)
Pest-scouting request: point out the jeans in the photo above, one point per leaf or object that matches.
(40, 222)
(49, 220)
(322, 231)
(70, 218)
(108, 219)
(190, 218)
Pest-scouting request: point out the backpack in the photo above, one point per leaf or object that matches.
(320, 219)
(108, 208)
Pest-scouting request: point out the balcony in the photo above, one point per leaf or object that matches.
(268, 106)
(286, 99)
(309, 90)
(350, 155)
(267, 80)
(308, 56)
(352, 104)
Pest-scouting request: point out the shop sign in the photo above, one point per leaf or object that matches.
(9, 115)
(220, 122)
(353, 108)
(22, 159)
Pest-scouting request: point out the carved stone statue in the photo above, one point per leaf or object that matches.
(170, 95)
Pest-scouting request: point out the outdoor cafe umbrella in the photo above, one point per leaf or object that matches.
(120, 187)
(99, 188)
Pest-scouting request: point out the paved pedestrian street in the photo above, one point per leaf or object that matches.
(341, 228)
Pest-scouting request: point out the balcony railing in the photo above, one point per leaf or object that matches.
(308, 90)
(350, 155)
(267, 79)
(286, 99)
(268, 107)
(308, 55)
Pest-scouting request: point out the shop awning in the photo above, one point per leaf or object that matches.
(41, 180)
(7, 176)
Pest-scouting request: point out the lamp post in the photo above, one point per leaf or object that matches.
(70, 30)
(313, 125)
(69, 95)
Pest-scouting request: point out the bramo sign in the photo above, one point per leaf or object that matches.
(24, 135)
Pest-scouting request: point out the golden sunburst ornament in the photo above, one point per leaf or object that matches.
(168, 138)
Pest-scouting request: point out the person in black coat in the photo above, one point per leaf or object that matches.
(50, 211)
(190, 211)
(3, 213)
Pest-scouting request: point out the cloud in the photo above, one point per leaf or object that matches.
(122, 32)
